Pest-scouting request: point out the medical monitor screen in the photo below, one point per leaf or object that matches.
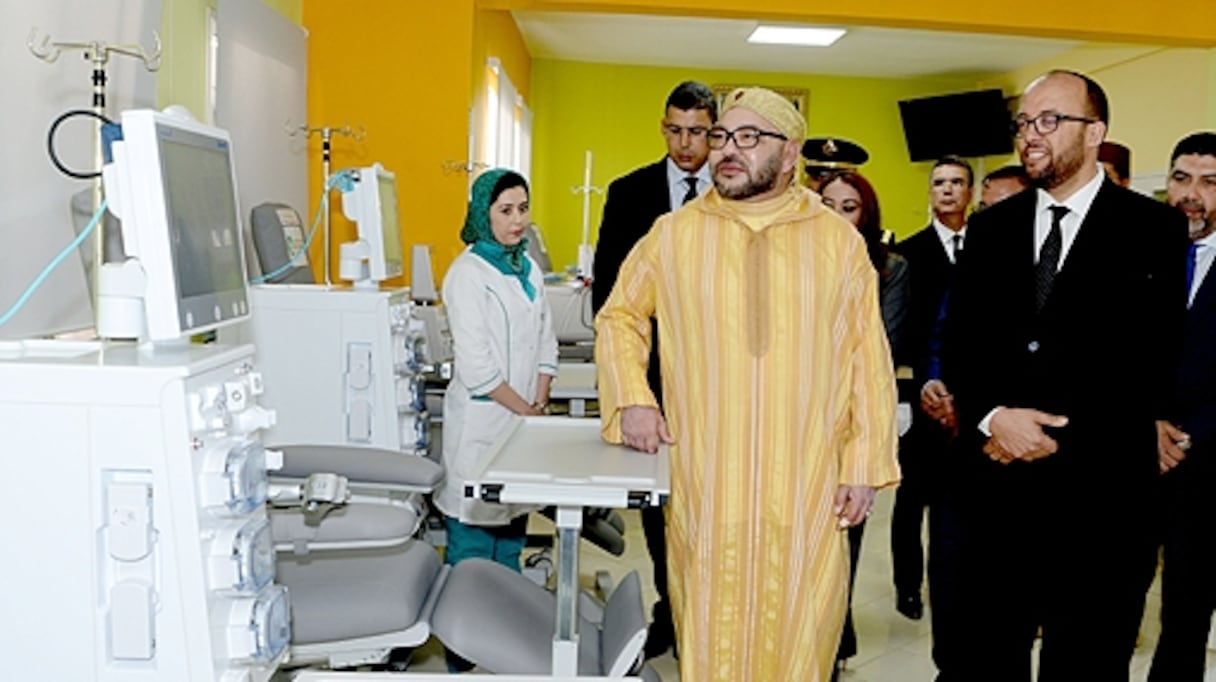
(204, 227)
(387, 189)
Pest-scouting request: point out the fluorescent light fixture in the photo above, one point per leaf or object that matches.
(795, 35)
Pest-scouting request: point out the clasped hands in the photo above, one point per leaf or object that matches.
(1017, 435)
(643, 428)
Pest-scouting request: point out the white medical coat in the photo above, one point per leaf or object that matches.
(498, 335)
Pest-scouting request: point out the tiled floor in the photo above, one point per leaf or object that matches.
(891, 648)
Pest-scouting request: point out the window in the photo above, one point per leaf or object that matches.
(502, 125)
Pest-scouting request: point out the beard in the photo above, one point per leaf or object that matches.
(1058, 168)
(1201, 226)
(763, 179)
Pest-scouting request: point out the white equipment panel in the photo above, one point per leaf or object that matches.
(137, 545)
(342, 366)
(571, 306)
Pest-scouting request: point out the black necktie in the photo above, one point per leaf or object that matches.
(956, 247)
(1049, 257)
(692, 189)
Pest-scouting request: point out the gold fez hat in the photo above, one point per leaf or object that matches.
(773, 107)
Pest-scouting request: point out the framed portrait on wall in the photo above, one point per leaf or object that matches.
(796, 96)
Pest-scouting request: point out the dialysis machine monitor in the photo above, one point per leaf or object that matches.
(372, 204)
(173, 185)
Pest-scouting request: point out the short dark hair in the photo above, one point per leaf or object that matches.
(1202, 143)
(1010, 172)
(691, 95)
(508, 180)
(953, 160)
(1095, 97)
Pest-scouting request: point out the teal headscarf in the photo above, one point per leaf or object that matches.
(509, 260)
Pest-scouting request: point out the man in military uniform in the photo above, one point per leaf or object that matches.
(826, 154)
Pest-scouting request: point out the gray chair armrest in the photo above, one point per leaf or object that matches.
(374, 524)
(361, 465)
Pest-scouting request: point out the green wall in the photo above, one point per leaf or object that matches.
(614, 110)
(182, 78)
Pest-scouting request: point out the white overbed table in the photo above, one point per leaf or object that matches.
(565, 463)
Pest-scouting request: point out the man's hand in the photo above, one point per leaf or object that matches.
(1017, 433)
(853, 504)
(936, 401)
(643, 428)
(1171, 445)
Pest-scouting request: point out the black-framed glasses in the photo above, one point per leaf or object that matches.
(1044, 123)
(676, 131)
(745, 137)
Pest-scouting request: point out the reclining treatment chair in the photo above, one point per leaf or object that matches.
(361, 585)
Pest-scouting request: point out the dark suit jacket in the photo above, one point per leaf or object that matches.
(633, 203)
(1103, 351)
(930, 272)
(1194, 410)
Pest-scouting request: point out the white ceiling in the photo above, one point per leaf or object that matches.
(722, 44)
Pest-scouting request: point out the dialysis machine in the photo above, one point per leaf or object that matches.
(139, 546)
(348, 365)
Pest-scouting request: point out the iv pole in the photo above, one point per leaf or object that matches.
(585, 253)
(327, 133)
(98, 52)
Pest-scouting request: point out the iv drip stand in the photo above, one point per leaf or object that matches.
(98, 52)
(327, 133)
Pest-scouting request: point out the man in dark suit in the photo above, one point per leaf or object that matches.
(634, 202)
(1187, 443)
(932, 254)
(1060, 351)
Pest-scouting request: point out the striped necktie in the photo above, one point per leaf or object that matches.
(1049, 257)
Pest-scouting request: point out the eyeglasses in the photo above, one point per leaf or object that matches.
(1044, 123)
(745, 137)
(677, 131)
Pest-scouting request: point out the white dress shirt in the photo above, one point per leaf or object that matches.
(678, 188)
(1204, 257)
(1078, 207)
(946, 235)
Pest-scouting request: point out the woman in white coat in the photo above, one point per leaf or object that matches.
(505, 359)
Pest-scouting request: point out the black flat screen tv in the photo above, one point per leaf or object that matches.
(967, 124)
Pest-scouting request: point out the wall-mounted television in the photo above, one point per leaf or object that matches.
(967, 124)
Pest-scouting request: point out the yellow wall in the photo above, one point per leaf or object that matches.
(406, 71)
(182, 78)
(496, 35)
(1157, 95)
(401, 71)
(614, 110)
(1168, 22)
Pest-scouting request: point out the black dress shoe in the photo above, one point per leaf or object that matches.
(910, 605)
